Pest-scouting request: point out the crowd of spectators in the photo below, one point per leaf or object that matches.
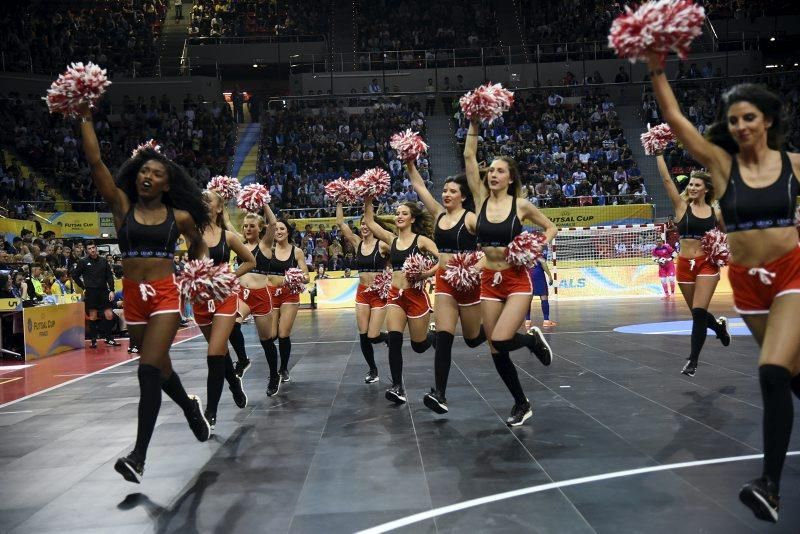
(43, 36)
(567, 21)
(229, 18)
(196, 134)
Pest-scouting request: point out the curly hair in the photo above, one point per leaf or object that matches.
(461, 181)
(183, 193)
(423, 222)
(762, 98)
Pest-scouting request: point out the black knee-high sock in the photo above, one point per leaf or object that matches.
(476, 341)
(367, 351)
(396, 357)
(216, 379)
(442, 360)
(92, 329)
(108, 328)
(272, 356)
(380, 338)
(711, 322)
(173, 387)
(699, 332)
(230, 372)
(516, 342)
(795, 385)
(507, 371)
(149, 405)
(421, 346)
(237, 342)
(778, 416)
(285, 348)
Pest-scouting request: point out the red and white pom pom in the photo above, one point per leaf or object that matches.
(715, 247)
(253, 197)
(462, 270)
(225, 186)
(408, 144)
(340, 191)
(382, 284)
(487, 102)
(150, 144)
(656, 139)
(414, 268)
(373, 183)
(659, 27)
(525, 249)
(202, 281)
(80, 84)
(294, 282)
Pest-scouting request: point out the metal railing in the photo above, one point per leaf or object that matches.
(256, 39)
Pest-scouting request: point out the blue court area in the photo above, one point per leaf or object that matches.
(736, 327)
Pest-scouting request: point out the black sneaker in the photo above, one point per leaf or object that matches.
(396, 394)
(285, 376)
(197, 420)
(273, 386)
(519, 414)
(761, 496)
(372, 376)
(212, 420)
(541, 349)
(133, 349)
(239, 396)
(241, 367)
(435, 401)
(112, 342)
(725, 336)
(690, 368)
(94, 344)
(130, 467)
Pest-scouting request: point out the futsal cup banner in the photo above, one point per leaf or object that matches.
(75, 223)
(600, 215)
(53, 329)
(11, 228)
(620, 281)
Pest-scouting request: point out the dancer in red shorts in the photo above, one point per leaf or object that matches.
(757, 184)
(505, 289)
(454, 233)
(371, 255)
(153, 202)
(216, 318)
(407, 305)
(697, 278)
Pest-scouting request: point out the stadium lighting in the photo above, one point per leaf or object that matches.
(772, 39)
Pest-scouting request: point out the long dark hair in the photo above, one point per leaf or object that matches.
(183, 193)
(461, 181)
(767, 103)
(423, 222)
(289, 228)
(515, 187)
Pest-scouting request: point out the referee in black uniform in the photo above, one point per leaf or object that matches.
(93, 274)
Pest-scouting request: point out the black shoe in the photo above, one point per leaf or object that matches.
(112, 342)
(435, 401)
(285, 376)
(690, 368)
(372, 376)
(200, 426)
(133, 349)
(212, 420)
(241, 367)
(761, 496)
(541, 349)
(94, 344)
(239, 396)
(130, 467)
(725, 336)
(183, 322)
(396, 394)
(273, 386)
(519, 414)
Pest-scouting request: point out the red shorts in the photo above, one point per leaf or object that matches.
(754, 288)
(414, 302)
(258, 300)
(668, 269)
(690, 269)
(204, 312)
(144, 299)
(285, 297)
(463, 298)
(499, 285)
(370, 298)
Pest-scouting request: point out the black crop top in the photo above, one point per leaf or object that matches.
(279, 267)
(138, 240)
(692, 227)
(221, 252)
(398, 257)
(500, 234)
(262, 262)
(456, 239)
(747, 208)
(370, 263)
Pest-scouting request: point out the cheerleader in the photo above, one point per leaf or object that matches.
(408, 305)
(371, 255)
(153, 202)
(216, 319)
(454, 233)
(505, 289)
(697, 276)
(663, 255)
(756, 182)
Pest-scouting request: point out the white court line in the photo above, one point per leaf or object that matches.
(22, 411)
(68, 382)
(9, 368)
(436, 512)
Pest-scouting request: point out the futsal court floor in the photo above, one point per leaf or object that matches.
(620, 441)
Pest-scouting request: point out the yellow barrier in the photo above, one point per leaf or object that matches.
(13, 227)
(53, 329)
(75, 223)
(600, 215)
